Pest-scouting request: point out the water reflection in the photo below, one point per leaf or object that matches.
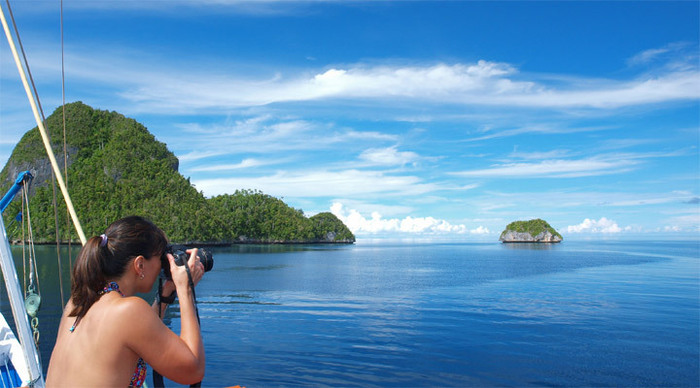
(260, 267)
(281, 248)
(530, 246)
(440, 314)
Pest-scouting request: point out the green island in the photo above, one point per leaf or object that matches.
(116, 167)
(532, 231)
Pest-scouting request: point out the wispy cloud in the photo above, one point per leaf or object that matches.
(148, 85)
(579, 203)
(661, 53)
(647, 55)
(552, 169)
(322, 183)
(546, 155)
(389, 156)
(245, 163)
(604, 164)
(648, 200)
(266, 134)
(540, 129)
(686, 222)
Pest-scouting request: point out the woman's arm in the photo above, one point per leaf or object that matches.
(180, 359)
(169, 286)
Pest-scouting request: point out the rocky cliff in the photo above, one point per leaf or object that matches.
(533, 231)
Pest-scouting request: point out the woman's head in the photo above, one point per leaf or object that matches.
(107, 257)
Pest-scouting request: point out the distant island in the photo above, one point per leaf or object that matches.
(532, 231)
(116, 167)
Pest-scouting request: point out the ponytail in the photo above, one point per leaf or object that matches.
(87, 277)
(106, 257)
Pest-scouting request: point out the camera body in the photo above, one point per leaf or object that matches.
(181, 257)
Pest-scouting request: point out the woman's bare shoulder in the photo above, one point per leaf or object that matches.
(131, 307)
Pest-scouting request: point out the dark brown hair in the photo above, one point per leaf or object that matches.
(97, 263)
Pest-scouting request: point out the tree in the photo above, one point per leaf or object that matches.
(117, 168)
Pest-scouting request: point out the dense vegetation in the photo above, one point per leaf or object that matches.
(117, 168)
(534, 227)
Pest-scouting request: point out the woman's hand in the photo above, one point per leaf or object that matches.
(179, 273)
(196, 266)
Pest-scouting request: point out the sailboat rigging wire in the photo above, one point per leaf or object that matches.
(42, 130)
(32, 293)
(24, 253)
(19, 312)
(18, 303)
(33, 270)
(65, 165)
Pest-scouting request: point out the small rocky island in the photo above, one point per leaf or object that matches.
(533, 231)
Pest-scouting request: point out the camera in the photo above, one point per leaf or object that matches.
(181, 256)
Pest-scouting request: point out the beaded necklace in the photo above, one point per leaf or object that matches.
(111, 286)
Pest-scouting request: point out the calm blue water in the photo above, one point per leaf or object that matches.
(573, 314)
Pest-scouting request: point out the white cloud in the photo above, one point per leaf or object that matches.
(535, 129)
(484, 83)
(376, 224)
(480, 230)
(459, 83)
(147, 85)
(386, 210)
(197, 155)
(646, 56)
(603, 164)
(548, 155)
(245, 163)
(603, 225)
(689, 221)
(321, 183)
(553, 169)
(441, 81)
(578, 203)
(653, 54)
(265, 135)
(388, 157)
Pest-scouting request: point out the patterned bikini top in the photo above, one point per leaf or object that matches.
(139, 376)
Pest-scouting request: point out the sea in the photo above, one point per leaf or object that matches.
(404, 314)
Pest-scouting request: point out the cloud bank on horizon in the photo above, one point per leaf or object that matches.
(408, 118)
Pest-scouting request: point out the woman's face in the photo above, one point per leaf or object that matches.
(151, 270)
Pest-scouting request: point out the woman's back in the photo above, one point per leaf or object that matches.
(96, 352)
(106, 334)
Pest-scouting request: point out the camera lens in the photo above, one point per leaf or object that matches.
(180, 255)
(206, 258)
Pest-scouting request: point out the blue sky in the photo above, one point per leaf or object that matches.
(406, 119)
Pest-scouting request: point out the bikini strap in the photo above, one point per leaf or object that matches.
(111, 286)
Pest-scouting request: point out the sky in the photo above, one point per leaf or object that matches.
(437, 120)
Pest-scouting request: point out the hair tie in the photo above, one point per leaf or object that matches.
(104, 240)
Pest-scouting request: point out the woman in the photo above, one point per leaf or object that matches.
(107, 334)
